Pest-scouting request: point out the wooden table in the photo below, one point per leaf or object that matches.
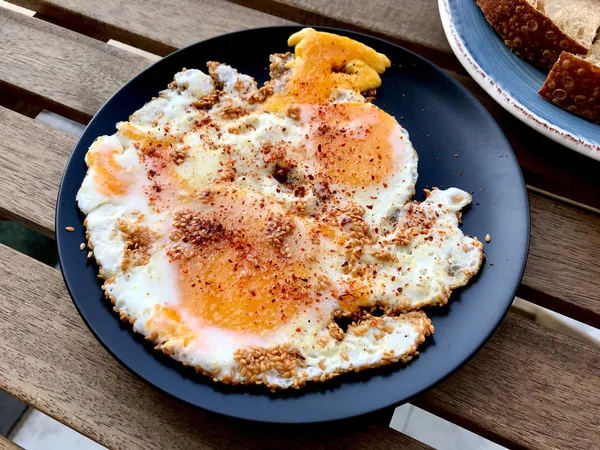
(528, 387)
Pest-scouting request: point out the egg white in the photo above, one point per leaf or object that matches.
(423, 272)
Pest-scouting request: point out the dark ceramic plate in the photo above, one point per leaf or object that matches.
(443, 119)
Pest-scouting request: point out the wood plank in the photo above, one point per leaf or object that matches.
(42, 334)
(31, 167)
(49, 79)
(58, 69)
(51, 361)
(536, 384)
(5, 444)
(403, 21)
(420, 28)
(563, 260)
(181, 22)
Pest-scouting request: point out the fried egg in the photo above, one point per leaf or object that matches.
(268, 235)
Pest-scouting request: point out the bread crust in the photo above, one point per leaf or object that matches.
(574, 84)
(527, 32)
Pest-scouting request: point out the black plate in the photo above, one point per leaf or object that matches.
(443, 119)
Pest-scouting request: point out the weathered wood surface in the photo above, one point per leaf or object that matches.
(158, 27)
(529, 387)
(5, 444)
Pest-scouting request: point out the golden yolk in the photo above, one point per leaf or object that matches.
(244, 274)
(223, 289)
(108, 174)
(352, 142)
(324, 62)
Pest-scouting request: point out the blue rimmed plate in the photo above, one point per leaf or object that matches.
(509, 80)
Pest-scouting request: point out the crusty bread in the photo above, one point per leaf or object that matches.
(539, 30)
(574, 83)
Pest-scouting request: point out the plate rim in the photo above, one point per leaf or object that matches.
(307, 420)
(503, 98)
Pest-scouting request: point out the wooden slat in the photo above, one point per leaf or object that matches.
(58, 69)
(415, 25)
(50, 360)
(156, 26)
(540, 387)
(563, 260)
(415, 22)
(33, 157)
(528, 385)
(5, 444)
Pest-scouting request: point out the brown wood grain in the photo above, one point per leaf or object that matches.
(564, 257)
(181, 22)
(5, 444)
(549, 399)
(49, 359)
(529, 385)
(33, 159)
(415, 25)
(59, 69)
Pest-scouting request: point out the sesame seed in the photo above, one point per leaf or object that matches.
(488, 238)
(70, 229)
(82, 246)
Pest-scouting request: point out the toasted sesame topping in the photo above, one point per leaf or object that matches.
(138, 242)
(70, 229)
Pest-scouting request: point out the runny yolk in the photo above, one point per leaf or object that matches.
(108, 174)
(221, 288)
(353, 142)
(324, 62)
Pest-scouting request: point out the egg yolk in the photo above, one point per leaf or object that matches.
(223, 289)
(242, 272)
(325, 62)
(108, 174)
(352, 142)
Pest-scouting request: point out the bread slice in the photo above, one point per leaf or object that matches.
(574, 83)
(540, 30)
